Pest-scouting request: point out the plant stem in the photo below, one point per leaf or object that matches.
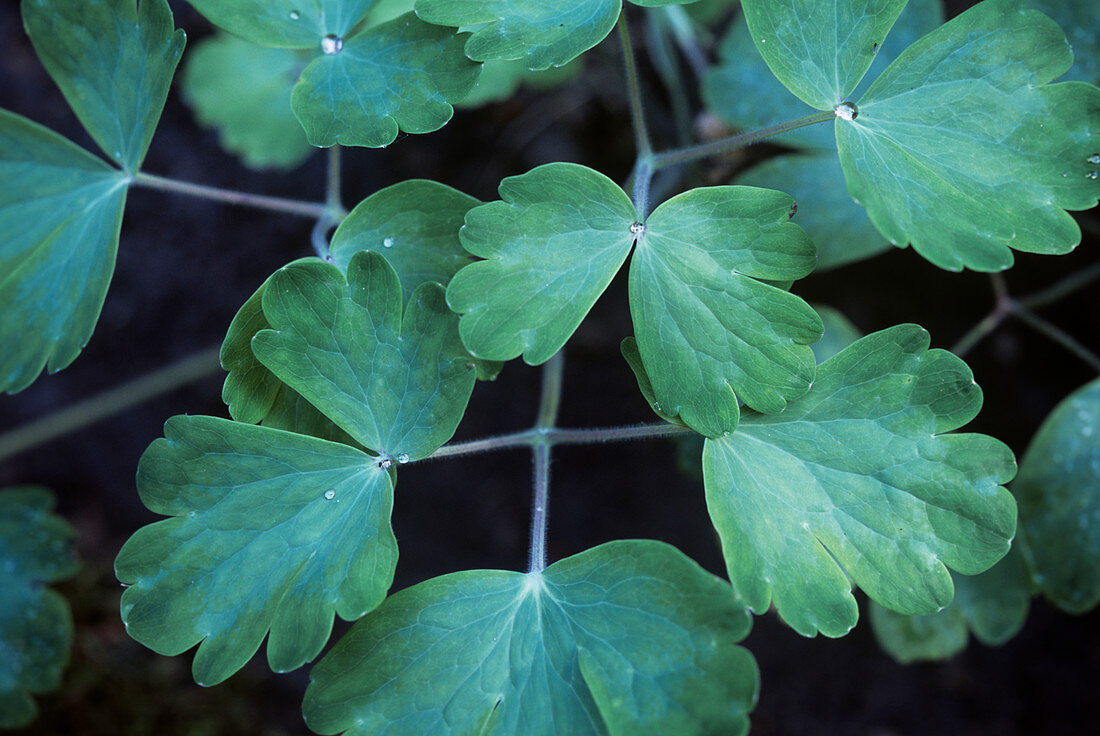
(734, 142)
(634, 91)
(549, 402)
(334, 208)
(109, 403)
(1003, 305)
(558, 436)
(682, 31)
(1062, 288)
(1057, 335)
(277, 204)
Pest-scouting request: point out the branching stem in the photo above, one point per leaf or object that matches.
(229, 196)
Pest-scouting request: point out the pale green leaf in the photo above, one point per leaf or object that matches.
(1081, 23)
(400, 75)
(552, 245)
(992, 605)
(58, 237)
(1059, 495)
(962, 148)
(36, 628)
(630, 637)
(114, 61)
(285, 23)
(398, 385)
(271, 532)
(838, 226)
(857, 478)
(708, 331)
(543, 33)
(820, 51)
(243, 90)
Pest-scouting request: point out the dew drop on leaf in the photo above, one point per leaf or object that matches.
(1092, 175)
(846, 111)
(637, 228)
(1094, 158)
(387, 243)
(331, 44)
(402, 458)
(295, 15)
(330, 494)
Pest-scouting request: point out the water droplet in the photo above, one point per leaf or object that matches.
(1065, 174)
(330, 494)
(656, 406)
(1094, 158)
(331, 44)
(1092, 175)
(387, 243)
(637, 228)
(402, 458)
(385, 463)
(846, 111)
(295, 15)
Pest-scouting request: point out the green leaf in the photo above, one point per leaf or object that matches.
(706, 327)
(499, 80)
(243, 90)
(58, 237)
(543, 33)
(114, 61)
(1059, 495)
(629, 348)
(857, 477)
(838, 226)
(551, 247)
(399, 386)
(415, 225)
(962, 148)
(993, 605)
(270, 532)
(402, 74)
(36, 628)
(630, 637)
(299, 24)
(820, 51)
(1081, 23)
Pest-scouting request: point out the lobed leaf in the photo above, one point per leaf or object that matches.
(398, 385)
(243, 90)
(856, 478)
(297, 24)
(962, 148)
(630, 637)
(114, 61)
(1079, 20)
(400, 75)
(271, 532)
(706, 327)
(1058, 490)
(36, 628)
(59, 233)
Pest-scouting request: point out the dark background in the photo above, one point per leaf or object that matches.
(186, 265)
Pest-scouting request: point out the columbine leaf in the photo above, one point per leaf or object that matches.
(499, 80)
(857, 477)
(838, 226)
(243, 90)
(398, 385)
(818, 50)
(271, 532)
(415, 225)
(551, 247)
(962, 148)
(543, 33)
(627, 638)
(992, 605)
(58, 237)
(297, 24)
(114, 61)
(1078, 18)
(1059, 494)
(629, 348)
(706, 327)
(36, 628)
(402, 74)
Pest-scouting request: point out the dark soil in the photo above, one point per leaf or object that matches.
(186, 265)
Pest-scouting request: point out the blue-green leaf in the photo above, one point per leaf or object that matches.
(551, 247)
(271, 532)
(543, 33)
(1081, 22)
(962, 148)
(706, 327)
(1059, 494)
(114, 61)
(629, 349)
(285, 23)
(398, 385)
(857, 478)
(243, 90)
(820, 51)
(400, 75)
(58, 237)
(36, 628)
(630, 637)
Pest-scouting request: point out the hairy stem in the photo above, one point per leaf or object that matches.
(734, 142)
(559, 436)
(228, 196)
(334, 208)
(634, 91)
(549, 402)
